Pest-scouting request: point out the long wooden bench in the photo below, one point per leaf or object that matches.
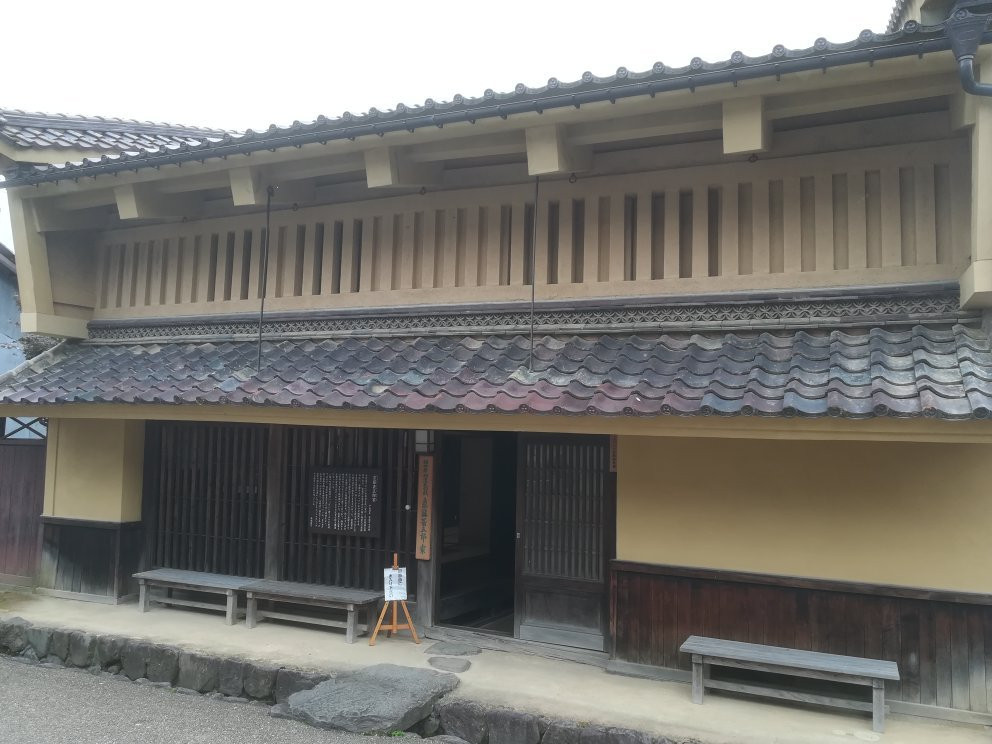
(195, 581)
(707, 652)
(352, 601)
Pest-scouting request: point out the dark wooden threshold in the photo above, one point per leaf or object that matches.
(494, 642)
(799, 582)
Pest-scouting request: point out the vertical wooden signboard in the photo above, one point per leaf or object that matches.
(425, 506)
(613, 453)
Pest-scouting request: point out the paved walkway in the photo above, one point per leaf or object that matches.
(69, 706)
(561, 689)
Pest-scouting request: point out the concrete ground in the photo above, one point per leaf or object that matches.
(529, 683)
(68, 706)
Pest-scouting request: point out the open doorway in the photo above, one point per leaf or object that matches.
(478, 531)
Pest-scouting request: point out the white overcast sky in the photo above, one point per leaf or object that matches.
(246, 64)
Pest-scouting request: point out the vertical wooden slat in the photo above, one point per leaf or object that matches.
(566, 215)
(518, 229)
(857, 225)
(644, 237)
(429, 256)
(541, 213)
(449, 251)
(370, 227)
(672, 233)
(347, 259)
(700, 232)
(824, 216)
(891, 218)
(792, 224)
(141, 289)
(730, 227)
(926, 217)
(407, 246)
(615, 246)
(384, 253)
(308, 234)
(761, 228)
(590, 241)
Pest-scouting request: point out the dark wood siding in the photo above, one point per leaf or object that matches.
(93, 558)
(343, 560)
(22, 493)
(207, 503)
(234, 499)
(943, 646)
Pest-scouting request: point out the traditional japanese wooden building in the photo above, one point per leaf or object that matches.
(698, 350)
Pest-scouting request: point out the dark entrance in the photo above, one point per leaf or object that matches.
(477, 536)
(527, 531)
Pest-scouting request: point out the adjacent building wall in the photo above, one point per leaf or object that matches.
(94, 470)
(910, 514)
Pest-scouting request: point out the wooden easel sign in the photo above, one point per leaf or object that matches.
(394, 581)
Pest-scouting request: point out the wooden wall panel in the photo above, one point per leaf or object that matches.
(22, 491)
(943, 647)
(881, 208)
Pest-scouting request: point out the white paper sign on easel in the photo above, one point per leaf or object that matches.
(395, 584)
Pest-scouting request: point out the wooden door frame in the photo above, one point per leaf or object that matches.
(609, 532)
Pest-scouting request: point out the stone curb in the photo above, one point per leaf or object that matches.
(157, 664)
(237, 680)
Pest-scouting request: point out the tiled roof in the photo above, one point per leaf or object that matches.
(897, 16)
(31, 131)
(868, 47)
(942, 372)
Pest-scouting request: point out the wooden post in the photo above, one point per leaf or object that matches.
(697, 679)
(427, 570)
(878, 705)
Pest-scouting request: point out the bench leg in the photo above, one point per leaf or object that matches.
(352, 626)
(232, 607)
(878, 705)
(143, 595)
(250, 610)
(697, 679)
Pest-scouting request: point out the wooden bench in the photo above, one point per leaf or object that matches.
(196, 581)
(352, 601)
(708, 652)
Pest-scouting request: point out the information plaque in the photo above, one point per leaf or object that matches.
(346, 501)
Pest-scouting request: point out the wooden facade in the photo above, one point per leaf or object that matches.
(942, 641)
(805, 220)
(234, 499)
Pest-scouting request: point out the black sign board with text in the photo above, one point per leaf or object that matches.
(346, 501)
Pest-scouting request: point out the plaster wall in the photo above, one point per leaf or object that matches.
(907, 514)
(94, 469)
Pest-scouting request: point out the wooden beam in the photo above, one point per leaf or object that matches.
(247, 189)
(745, 126)
(549, 152)
(140, 202)
(976, 282)
(51, 217)
(645, 126)
(33, 277)
(389, 166)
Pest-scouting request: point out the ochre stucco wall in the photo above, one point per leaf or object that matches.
(911, 514)
(94, 469)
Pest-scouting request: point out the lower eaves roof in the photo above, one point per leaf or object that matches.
(941, 372)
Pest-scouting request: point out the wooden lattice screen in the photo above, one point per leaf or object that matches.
(343, 560)
(209, 506)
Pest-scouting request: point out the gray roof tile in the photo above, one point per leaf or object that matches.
(924, 371)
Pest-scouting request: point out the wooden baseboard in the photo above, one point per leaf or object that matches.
(83, 597)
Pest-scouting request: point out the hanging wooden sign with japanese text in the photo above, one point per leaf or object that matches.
(425, 506)
(394, 581)
(346, 501)
(613, 453)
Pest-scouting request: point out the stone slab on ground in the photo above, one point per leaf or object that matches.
(447, 739)
(376, 700)
(449, 648)
(446, 664)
